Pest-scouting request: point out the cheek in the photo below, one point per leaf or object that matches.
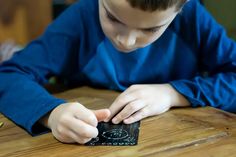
(108, 28)
(150, 38)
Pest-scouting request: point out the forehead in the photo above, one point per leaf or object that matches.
(136, 17)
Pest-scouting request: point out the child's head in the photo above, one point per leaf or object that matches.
(133, 24)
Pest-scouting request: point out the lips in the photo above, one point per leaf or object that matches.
(122, 48)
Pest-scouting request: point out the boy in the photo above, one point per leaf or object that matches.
(161, 53)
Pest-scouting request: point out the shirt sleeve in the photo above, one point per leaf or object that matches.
(216, 86)
(22, 97)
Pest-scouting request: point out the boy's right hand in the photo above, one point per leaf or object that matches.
(73, 123)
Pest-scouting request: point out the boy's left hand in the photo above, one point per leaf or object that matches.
(141, 101)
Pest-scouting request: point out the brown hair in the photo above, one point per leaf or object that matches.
(153, 5)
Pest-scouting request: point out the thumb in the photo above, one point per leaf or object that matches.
(102, 114)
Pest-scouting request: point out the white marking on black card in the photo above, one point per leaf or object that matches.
(116, 135)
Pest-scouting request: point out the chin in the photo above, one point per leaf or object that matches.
(125, 50)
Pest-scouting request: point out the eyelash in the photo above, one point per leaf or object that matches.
(152, 30)
(111, 18)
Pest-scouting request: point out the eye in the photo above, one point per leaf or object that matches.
(111, 18)
(153, 30)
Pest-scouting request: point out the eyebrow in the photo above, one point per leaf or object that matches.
(151, 28)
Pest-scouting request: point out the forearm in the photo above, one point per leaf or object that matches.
(24, 101)
(177, 99)
(216, 91)
(44, 120)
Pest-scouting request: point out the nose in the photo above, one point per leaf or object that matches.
(127, 40)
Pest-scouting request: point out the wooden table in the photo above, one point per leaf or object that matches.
(204, 132)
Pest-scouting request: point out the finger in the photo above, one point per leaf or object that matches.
(75, 138)
(102, 114)
(143, 113)
(62, 137)
(129, 109)
(82, 129)
(85, 115)
(119, 103)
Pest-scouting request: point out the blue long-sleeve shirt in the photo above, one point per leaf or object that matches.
(194, 55)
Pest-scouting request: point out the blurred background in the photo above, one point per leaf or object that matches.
(23, 20)
(224, 12)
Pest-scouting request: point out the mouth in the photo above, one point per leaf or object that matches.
(125, 50)
(122, 48)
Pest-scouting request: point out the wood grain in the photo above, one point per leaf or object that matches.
(204, 132)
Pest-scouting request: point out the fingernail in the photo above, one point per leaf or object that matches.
(106, 120)
(126, 121)
(115, 120)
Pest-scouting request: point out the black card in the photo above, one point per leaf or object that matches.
(116, 135)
